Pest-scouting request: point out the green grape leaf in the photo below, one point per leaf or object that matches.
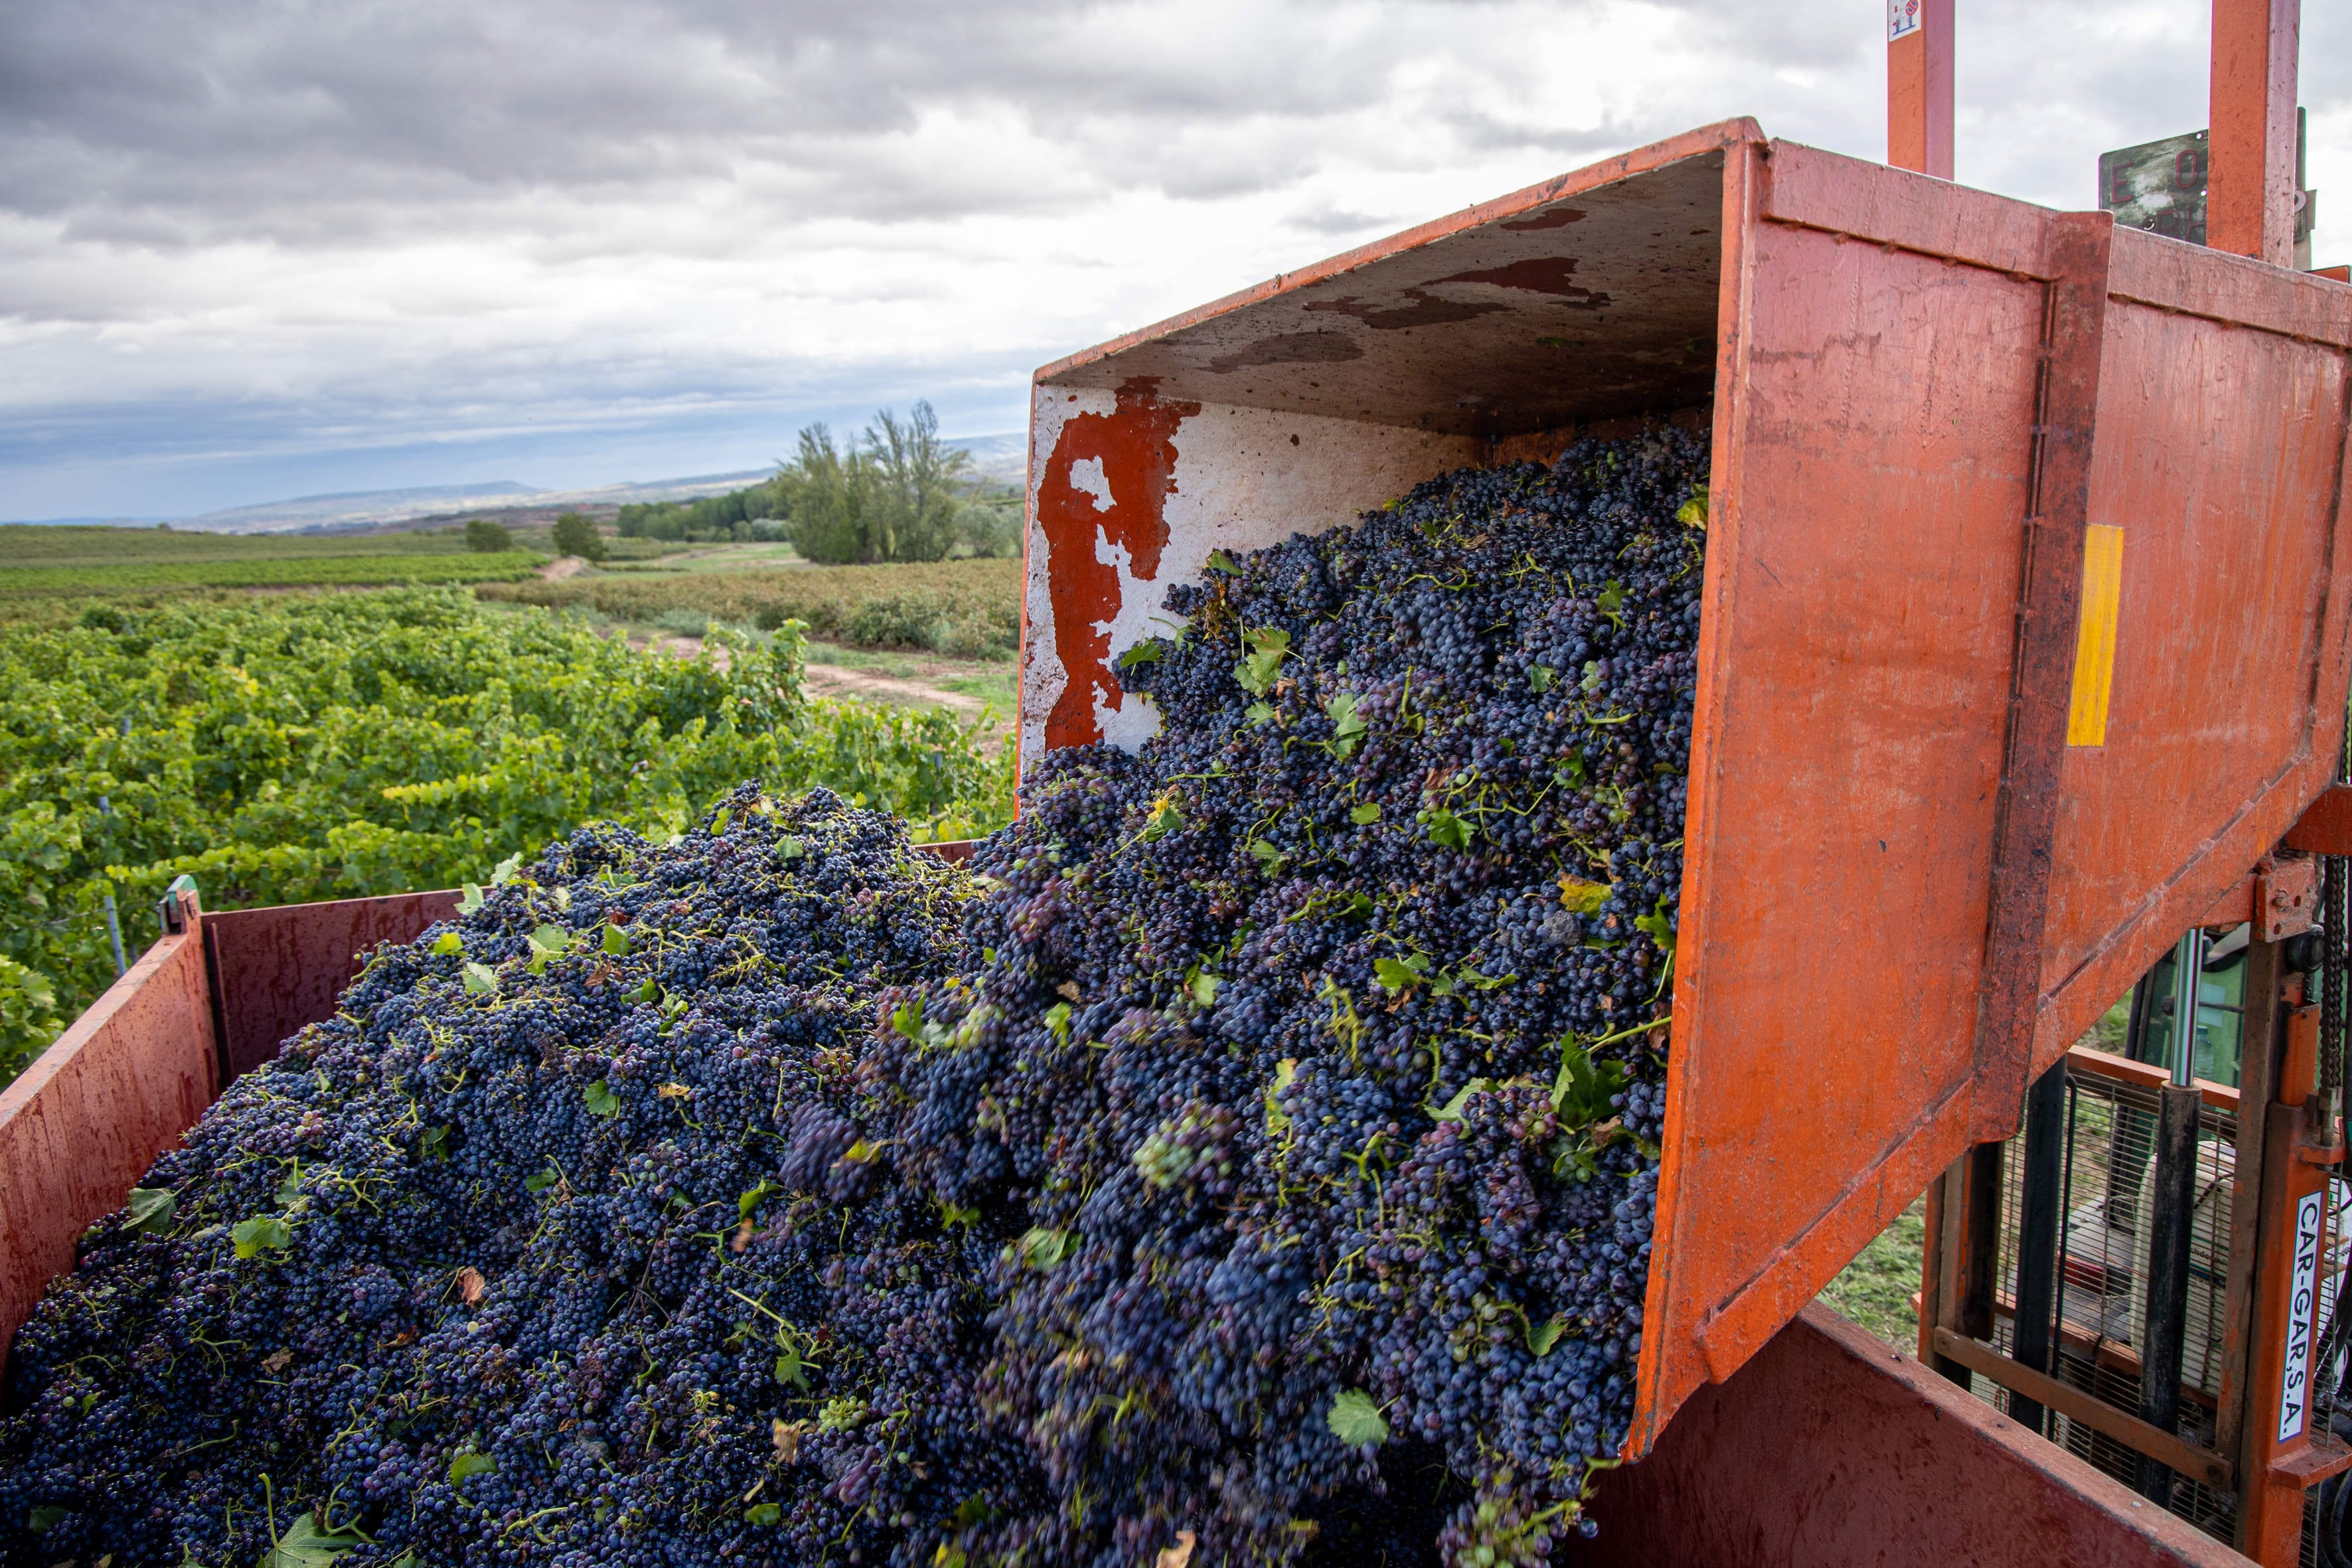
(1659, 923)
(506, 868)
(748, 1202)
(1259, 668)
(1582, 1091)
(1277, 1121)
(1147, 651)
(602, 1101)
(305, 1545)
(788, 1371)
(1612, 601)
(617, 941)
(1348, 727)
(1058, 1019)
(763, 1513)
(1399, 975)
(719, 819)
(152, 1209)
(1447, 830)
(1541, 677)
(1166, 818)
(447, 942)
(1356, 1420)
(467, 1462)
(1451, 1109)
(263, 1232)
(1204, 987)
(1258, 713)
(791, 848)
(45, 1518)
(1368, 812)
(480, 979)
(648, 991)
(1041, 1248)
(543, 1181)
(434, 1142)
(1542, 1337)
(1220, 561)
(1692, 514)
(1582, 897)
(472, 899)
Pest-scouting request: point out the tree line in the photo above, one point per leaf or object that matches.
(893, 492)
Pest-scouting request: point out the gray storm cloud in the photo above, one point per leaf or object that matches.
(415, 235)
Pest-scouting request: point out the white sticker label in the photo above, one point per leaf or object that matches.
(1901, 17)
(2295, 1389)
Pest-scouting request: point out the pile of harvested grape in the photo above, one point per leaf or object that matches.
(1253, 1162)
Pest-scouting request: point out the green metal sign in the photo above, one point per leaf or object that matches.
(2160, 186)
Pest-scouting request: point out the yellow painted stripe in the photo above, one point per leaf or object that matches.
(2095, 638)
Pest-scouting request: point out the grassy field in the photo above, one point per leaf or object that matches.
(1876, 1289)
(963, 608)
(23, 546)
(39, 563)
(265, 572)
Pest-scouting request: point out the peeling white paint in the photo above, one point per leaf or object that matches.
(1087, 476)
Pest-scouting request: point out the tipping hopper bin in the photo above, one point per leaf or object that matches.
(1957, 439)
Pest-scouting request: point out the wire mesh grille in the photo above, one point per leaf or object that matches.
(2106, 1164)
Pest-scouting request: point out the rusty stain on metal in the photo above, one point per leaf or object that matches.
(1551, 275)
(1420, 309)
(1554, 218)
(1290, 348)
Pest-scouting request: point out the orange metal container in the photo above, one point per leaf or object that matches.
(1955, 437)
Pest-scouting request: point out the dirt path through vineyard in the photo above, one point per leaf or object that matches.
(913, 688)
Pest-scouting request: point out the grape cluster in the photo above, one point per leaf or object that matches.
(1322, 1042)
(1253, 1162)
(556, 1245)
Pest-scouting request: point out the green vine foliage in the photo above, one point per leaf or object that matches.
(358, 743)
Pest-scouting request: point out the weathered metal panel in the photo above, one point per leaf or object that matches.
(1830, 1450)
(2221, 457)
(277, 969)
(1873, 457)
(80, 1125)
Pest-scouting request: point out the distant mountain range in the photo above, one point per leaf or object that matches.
(1000, 457)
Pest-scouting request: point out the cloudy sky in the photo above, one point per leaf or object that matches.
(256, 248)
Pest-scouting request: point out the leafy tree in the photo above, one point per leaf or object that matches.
(576, 535)
(990, 528)
(893, 495)
(825, 497)
(487, 537)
